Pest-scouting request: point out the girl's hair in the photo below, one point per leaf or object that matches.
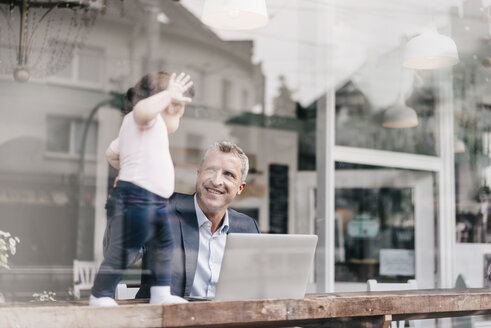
(150, 84)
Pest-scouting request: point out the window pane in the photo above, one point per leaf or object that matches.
(58, 134)
(472, 138)
(226, 94)
(265, 90)
(91, 139)
(378, 212)
(362, 106)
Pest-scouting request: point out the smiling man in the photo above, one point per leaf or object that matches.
(200, 222)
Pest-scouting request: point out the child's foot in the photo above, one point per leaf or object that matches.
(102, 301)
(162, 295)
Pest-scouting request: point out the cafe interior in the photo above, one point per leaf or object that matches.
(365, 123)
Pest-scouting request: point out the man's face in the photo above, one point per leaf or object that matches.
(219, 181)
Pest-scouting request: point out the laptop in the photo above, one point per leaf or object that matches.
(260, 266)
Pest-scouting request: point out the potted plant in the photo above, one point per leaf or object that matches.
(8, 244)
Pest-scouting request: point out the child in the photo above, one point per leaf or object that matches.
(136, 208)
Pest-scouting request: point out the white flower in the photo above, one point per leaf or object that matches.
(8, 244)
(44, 296)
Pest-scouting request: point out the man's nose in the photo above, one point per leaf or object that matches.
(217, 178)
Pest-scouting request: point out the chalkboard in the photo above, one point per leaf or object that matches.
(278, 198)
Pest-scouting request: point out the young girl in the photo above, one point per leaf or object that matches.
(136, 208)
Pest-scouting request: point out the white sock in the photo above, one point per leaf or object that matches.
(162, 295)
(102, 301)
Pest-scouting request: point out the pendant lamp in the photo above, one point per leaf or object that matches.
(400, 116)
(430, 50)
(235, 14)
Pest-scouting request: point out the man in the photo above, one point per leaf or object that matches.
(200, 222)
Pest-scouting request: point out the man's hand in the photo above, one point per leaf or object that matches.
(178, 86)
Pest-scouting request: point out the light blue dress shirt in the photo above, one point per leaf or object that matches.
(210, 254)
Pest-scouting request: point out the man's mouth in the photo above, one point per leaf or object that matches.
(214, 191)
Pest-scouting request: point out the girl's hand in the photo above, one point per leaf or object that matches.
(178, 87)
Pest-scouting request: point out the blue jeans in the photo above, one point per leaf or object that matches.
(136, 218)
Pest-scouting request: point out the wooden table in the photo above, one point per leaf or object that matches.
(363, 309)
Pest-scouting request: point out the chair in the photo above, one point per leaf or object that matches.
(374, 286)
(123, 292)
(84, 273)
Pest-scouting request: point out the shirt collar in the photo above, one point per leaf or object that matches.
(202, 219)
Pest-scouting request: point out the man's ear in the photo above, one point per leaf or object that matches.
(241, 187)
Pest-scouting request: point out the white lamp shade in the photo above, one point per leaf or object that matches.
(235, 14)
(430, 50)
(400, 116)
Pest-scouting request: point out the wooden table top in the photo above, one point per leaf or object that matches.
(313, 309)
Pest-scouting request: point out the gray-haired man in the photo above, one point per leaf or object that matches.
(200, 222)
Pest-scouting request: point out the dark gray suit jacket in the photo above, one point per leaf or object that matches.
(185, 231)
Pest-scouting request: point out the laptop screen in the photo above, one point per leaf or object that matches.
(259, 266)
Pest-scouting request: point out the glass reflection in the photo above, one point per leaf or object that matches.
(377, 210)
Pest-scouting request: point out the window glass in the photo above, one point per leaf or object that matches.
(226, 94)
(363, 104)
(472, 126)
(78, 127)
(377, 211)
(65, 134)
(58, 126)
(267, 90)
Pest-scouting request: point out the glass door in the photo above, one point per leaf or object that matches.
(384, 226)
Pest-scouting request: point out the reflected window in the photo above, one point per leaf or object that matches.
(226, 94)
(64, 136)
(86, 68)
(193, 148)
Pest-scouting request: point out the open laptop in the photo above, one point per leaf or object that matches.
(259, 266)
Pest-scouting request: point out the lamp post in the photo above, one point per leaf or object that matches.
(82, 226)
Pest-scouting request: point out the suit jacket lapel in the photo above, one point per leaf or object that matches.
(232, 222)
(190, 237)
